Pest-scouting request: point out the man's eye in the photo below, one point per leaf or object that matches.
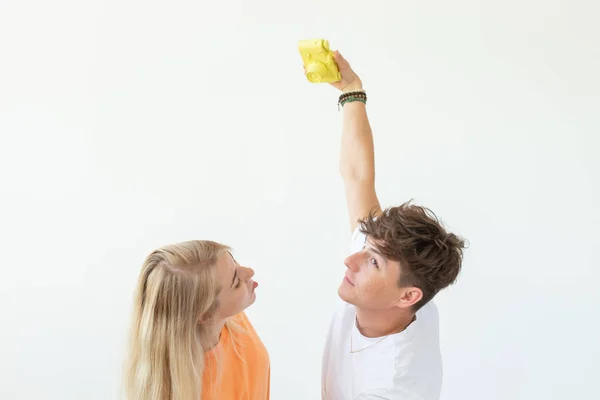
(374, 262)
(238, 284)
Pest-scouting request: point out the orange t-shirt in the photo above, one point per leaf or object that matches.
(244, 375)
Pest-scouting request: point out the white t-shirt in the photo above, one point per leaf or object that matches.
(403, 366)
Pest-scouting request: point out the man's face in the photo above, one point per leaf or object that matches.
(371, 280)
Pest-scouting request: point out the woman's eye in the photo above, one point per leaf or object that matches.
(374, 262)
(238, 284)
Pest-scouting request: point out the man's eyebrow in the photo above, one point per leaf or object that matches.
(376, 251)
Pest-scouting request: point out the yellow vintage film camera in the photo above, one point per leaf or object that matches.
(318, 61)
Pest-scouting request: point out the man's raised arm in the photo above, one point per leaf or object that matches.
(357, 158)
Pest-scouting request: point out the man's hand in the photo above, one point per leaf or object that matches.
(350, 81)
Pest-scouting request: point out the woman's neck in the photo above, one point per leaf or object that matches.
(211, 338)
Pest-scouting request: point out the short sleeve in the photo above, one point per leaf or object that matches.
(358, 241)
(386, 394)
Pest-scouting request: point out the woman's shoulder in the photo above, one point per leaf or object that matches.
(240, 323)
(242, 330)
(241, 320)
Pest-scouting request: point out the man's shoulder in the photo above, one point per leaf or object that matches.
(423, 330)
(342, 319)
(429, 318)
(429, 311)
(344, 310)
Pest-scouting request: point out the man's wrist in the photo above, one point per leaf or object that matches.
(353, 87)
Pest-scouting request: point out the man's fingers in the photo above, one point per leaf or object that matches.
(341, 61)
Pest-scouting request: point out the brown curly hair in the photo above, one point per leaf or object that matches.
(430, 258)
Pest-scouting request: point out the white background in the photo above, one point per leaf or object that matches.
(126, 125)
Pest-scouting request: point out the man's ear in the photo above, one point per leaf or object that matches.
(410, 296)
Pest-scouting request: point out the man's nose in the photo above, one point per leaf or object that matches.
(352, 261)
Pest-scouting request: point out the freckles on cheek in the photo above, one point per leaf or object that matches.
(371, 287)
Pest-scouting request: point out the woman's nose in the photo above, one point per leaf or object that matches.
(249, 273)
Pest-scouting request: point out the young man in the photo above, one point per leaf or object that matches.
(383, 342)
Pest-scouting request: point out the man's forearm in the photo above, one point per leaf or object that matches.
(357, 159)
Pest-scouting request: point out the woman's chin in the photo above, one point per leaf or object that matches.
(252, 299)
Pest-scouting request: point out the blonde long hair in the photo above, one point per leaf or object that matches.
(176, 287)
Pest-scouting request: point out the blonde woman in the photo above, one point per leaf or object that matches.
(190, 338)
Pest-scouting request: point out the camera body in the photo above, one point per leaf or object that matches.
(318, 61)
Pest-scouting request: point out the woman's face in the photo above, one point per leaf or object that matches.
(237, 287)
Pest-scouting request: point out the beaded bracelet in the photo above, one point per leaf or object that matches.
(349, 97)
(353, 93)
(350, 100)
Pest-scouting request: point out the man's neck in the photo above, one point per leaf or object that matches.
(377, 323)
